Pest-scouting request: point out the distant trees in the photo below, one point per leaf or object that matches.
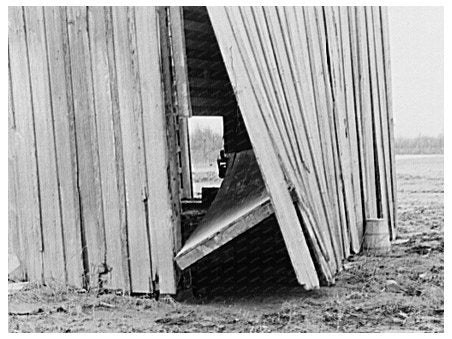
(205, 146)
(420, 145)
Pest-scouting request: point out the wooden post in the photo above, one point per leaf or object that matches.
(176, 22)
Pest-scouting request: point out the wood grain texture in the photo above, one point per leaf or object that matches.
(54, 265)
(340, 128)
(29, 216)
(184, 109)
(381, 197)
(104, 110)
(164, 224)
(16, 244)
(89, 177)
(65, 140)
(131, 111)
(385, 144)
(366, 114)
(388, 89)
(355, 222)
(360, 175)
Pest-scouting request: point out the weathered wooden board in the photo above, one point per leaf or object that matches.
(386, 157)
(356, 223)
(131, 115)
(104, 102)
(15, 235)
(65, 140)
(171, 122)
(180, 60)
(29, 215)
(340, 128)
(382, 207)
(366, 114)
(184, 109)
(388, 88)
(163, 222)
(54, 266)
(89, 180)
(360, 174)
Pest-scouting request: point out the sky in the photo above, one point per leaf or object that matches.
(417, 64)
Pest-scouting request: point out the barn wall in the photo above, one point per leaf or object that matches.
(90, 199)
(313, 86)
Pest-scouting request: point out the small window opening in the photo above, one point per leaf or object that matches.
(206, 143)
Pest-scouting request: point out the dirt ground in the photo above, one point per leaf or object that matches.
(403, 291)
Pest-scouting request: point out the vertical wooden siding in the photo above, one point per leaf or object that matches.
(315, 82)
(90, 200)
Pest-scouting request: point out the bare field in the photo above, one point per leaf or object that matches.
(403, 291)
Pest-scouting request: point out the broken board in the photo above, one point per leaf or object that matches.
(241, 203)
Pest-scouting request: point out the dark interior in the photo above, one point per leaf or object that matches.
(256, 261)
(211, 91)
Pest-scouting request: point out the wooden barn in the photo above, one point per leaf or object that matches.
(99, 157)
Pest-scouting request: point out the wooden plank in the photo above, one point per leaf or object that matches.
(54, 265)
(103, 105)
(89, 180)
(242, 78)
(63, 116)
(357, 224)
(388, 87)
(361, 174)
(133, 148)
(171, 122)
(366, 113)
(386, 157)
(376, 124)
(118, 150)
(164, 223)
(315, 50)
(180, 60)
(29, 217)
(183, 95)
(15, 233)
